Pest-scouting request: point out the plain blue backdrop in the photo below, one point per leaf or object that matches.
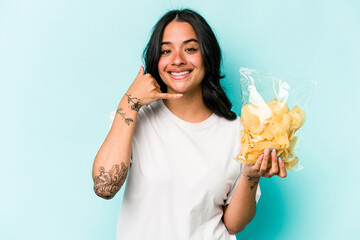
(64, 65)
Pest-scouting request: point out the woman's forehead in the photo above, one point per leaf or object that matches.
(179, 32)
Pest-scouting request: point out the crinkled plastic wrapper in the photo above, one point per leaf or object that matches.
(272, 113)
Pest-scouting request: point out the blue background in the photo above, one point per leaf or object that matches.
(64, 65)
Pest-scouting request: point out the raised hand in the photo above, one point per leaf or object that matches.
(145, 90)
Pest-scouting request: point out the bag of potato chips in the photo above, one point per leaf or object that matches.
(272, 113)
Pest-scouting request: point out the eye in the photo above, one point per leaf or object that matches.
(190, 50)
(165, 51)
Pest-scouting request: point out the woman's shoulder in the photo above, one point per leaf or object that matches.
(235, 122)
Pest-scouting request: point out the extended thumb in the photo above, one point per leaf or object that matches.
(141, 72)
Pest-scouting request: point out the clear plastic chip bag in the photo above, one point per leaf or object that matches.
(272, 113)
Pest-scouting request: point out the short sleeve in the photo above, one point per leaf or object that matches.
(258, 194)
(231, 193)
(112, 117)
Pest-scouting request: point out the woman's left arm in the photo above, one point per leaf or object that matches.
(242, 207)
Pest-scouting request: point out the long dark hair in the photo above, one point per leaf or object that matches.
(213, 95)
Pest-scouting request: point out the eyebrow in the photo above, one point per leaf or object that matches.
(187, 41)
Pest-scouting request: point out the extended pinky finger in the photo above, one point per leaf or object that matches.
(282, 172)
(168, 95)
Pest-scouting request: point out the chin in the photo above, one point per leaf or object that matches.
(179, 88)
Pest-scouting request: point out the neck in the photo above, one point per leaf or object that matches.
(190, 107)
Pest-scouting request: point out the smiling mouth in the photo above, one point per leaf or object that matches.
(180, 73)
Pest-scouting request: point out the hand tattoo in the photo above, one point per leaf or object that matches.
(108, 183)
(250, 177)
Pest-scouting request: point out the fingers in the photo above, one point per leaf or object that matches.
(282, 172)
(141, 72)
(168, 96)
(277, 165)
(257, 165)
(274, 163)
(264, 164)
(157, 85)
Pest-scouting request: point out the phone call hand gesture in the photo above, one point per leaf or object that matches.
(146, 90)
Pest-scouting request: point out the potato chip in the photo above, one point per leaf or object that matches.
(274, 132)
(278, 108)
(298, 117)
(251, 121)
(286, 121)
(291, 163)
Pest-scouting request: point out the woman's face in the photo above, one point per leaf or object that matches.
(181, 66)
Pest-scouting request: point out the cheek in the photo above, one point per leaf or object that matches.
(197, 61)
(161, 64)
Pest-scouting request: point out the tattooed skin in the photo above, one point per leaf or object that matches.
(250, 178)
(136, 102)
(252, 186)
(127, 120)
(136, 105)
(108, 183)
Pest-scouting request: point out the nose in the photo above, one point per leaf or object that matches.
(178, 58)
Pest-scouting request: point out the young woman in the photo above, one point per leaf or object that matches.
(175, 132)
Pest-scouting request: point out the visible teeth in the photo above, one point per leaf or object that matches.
(179, 73)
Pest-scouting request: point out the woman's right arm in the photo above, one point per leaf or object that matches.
(112, 161)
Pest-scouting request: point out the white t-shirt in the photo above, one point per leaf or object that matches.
(181, 176)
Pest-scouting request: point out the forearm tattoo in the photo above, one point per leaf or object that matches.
(108, 183)
(250, 178)
(252, 186)
(136, 104)
(127, 120)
